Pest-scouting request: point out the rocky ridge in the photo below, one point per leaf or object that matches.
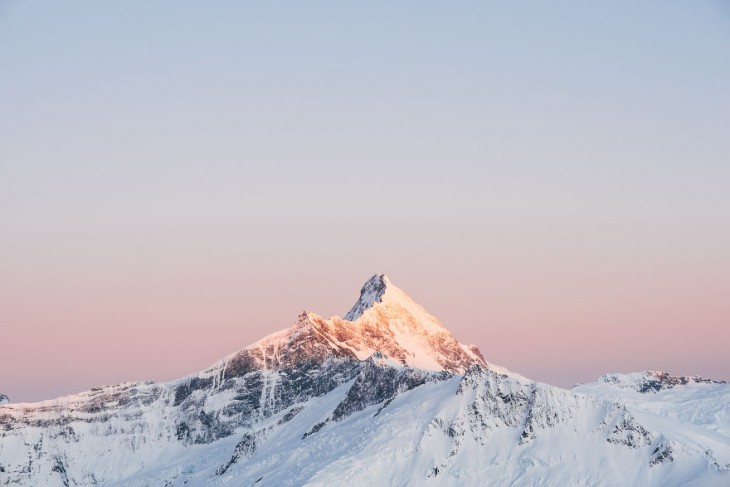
(653, 381)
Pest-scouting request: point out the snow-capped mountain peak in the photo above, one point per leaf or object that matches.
(384, 320)
(379, 293)
(372, 292)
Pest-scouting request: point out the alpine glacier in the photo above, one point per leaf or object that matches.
(384, 396)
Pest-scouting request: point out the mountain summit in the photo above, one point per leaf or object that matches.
(384, 320)
(373, 292)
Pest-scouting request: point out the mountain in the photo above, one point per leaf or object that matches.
(693, 401)
(384, 319)
(384, 396)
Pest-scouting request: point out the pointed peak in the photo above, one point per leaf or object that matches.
(384, 322)
(372, 292)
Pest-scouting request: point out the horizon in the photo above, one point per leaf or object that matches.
(178, 181)
(276, 331)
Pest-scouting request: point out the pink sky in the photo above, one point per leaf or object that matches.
(552, 183)
(557, 320)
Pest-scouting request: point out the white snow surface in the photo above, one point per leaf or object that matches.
(700, 402)
(386, 398)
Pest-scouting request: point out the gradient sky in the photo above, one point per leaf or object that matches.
(179, 179)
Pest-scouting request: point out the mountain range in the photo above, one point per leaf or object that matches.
(385, 395)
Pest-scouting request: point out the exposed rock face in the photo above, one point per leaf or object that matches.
(385, 396)
(372, 292)
(4, 399)
(379, 382)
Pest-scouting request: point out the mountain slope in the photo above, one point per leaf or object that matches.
(696, 401)
(385, 396)
(479, 429)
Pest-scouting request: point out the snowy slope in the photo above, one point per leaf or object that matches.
(482, 429)
(691, 400)
(385, 396)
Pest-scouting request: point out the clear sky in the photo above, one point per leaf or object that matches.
(179, 179)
